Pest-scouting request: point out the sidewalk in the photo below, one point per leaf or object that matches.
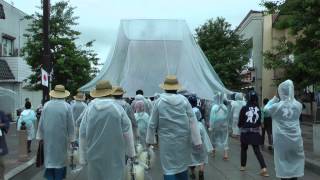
(312, 160)
(12, 163)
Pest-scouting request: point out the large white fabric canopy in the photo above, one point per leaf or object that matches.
(148, 50)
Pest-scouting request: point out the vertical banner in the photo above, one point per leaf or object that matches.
(44, 78)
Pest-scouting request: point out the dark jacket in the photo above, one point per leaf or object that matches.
(3, 144)
(249, 124)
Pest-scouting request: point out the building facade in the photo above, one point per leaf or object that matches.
(259, 29)
(14, 69)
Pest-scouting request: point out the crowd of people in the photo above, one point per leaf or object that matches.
(108, 129)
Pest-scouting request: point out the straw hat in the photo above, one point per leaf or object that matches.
(59, 92)
(80, 96)
(171, 83)
(103, 88)
(118, 91)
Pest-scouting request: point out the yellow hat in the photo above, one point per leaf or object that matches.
(171, 83)
(118, 91)
(80, 96)
(103, 89)
(59, 92)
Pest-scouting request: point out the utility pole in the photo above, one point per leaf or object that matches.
(46, 65)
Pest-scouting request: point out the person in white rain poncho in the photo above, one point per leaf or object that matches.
(289, 156)
(28, 117)
(235, 110)
(105, 136)
(200, 158)
(77, 109)
(142, 119)
(147, 102)
(173, 118)
(56, 129)
(218, 125)
(118, 95)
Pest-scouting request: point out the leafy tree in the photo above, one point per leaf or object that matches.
(225, 49)
(72, 65)
(301, 19)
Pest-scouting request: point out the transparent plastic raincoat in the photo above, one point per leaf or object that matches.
(77, 108)
(29, 117)
(219, 123)
(147, 103)
(173, 118)
(199, 157)
(105, 138)
(289, 156)
(128, 109)
(142, 119)
(235, 110)
(56, 129)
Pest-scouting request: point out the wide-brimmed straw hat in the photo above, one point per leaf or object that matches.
(118, 91)
(80, 96)
(59, 92)
(103, 89)
(171, 83)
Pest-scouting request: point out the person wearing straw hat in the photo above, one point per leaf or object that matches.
(118, 95)
(77, 109)
(105, 135)
(56, 129)
(176, 124)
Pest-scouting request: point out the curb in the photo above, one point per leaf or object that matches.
(19, 169)
(312, 165)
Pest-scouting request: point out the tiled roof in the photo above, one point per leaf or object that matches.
(5, 72)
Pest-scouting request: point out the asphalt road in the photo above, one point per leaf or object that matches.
(217, 169)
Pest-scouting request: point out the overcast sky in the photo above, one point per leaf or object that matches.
(99, 19)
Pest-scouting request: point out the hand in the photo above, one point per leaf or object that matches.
(74, 144)
(209, 129)
(262, 126)
(198, 147)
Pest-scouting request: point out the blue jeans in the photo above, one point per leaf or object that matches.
(181, 176)
(55, 173)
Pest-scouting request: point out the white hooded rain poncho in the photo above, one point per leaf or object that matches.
(147, 103)
(219, 123)
(235, 110)
(200, 157)
(105, 138)
(173, 118)
(29, 117)
(77, 109)
(56, 129)
(142, 119)
(289, 156)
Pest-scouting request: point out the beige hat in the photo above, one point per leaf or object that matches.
(171, 83)
(80, 96)
(118, 91)
(103, 89)
(59, 92)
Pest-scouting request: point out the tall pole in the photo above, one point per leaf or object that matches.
(46, 48)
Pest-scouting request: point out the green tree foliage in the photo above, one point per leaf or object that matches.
(301, 19)
(72, 65)
(225, 49)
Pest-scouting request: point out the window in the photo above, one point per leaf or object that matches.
(7, 47)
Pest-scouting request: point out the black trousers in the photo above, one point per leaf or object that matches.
(29, 145)
(267, 128)
(257, 152)
(289, 178)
